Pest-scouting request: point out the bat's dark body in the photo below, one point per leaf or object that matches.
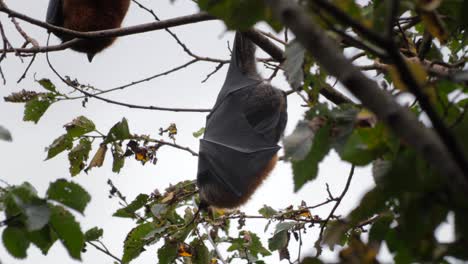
(87, 15)
(240, 143)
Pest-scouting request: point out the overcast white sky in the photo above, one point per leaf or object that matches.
(133, 58)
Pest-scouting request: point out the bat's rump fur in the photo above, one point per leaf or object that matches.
(91, 15)
(215, 192)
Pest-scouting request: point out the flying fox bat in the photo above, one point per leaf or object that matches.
(238, 150)
(87, 15)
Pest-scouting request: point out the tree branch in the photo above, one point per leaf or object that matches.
(347, 20)
(399, 119)
(158, 25)
(276, 53)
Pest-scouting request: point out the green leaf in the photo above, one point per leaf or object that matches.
(344, 123)
(267, 211)
(350, 7)
(372, 203)
(79, 126)
(15, 241)
(199, 133)
(380, 228)
(43, 238)
(364, 145)
(134, 243)
(310, 260)
(284, 226)
(159, 210)
(202, 254)
(292, 65)
(18, 198)
(69, 194)
(23, 204)
(119, 131)
(335, 234)
(35, 108)
(167, 253)
(59, 145)
(237, 14)
(67, 230)
(37, 214)
(48, 85)
(279, 241)
(129, 211)
(307, 169)
(408, 172)
(256, 246)
(94, 234)
(251, 242)
(119, 158)
(25, 192)
(399, 247)
(78, 156)
(5, 134)
(298, 144)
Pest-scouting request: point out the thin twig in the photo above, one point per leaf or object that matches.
(105, 251)
(218, 253)
(68, 83)
(300, 247)
(167, 144)
(218, 67)
(27, 69)
(273, 37)
(332, 212)
(148, 78)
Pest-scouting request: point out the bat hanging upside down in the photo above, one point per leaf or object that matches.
(238, 150)
(87, 15)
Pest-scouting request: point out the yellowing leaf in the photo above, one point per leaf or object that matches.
(429, 5)
(168, 197)
(306, 214)
(141, 156)
(184, 250)
(185, 254)
(98, 158)
(220, 211)
(435, 25)
(366, 118)
(416, 70)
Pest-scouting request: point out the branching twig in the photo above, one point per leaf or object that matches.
(332, 212)
(148, 78)
(75, 87)
(167, 144)
(218, 67)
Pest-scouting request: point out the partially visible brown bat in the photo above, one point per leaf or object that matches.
(87, 15)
